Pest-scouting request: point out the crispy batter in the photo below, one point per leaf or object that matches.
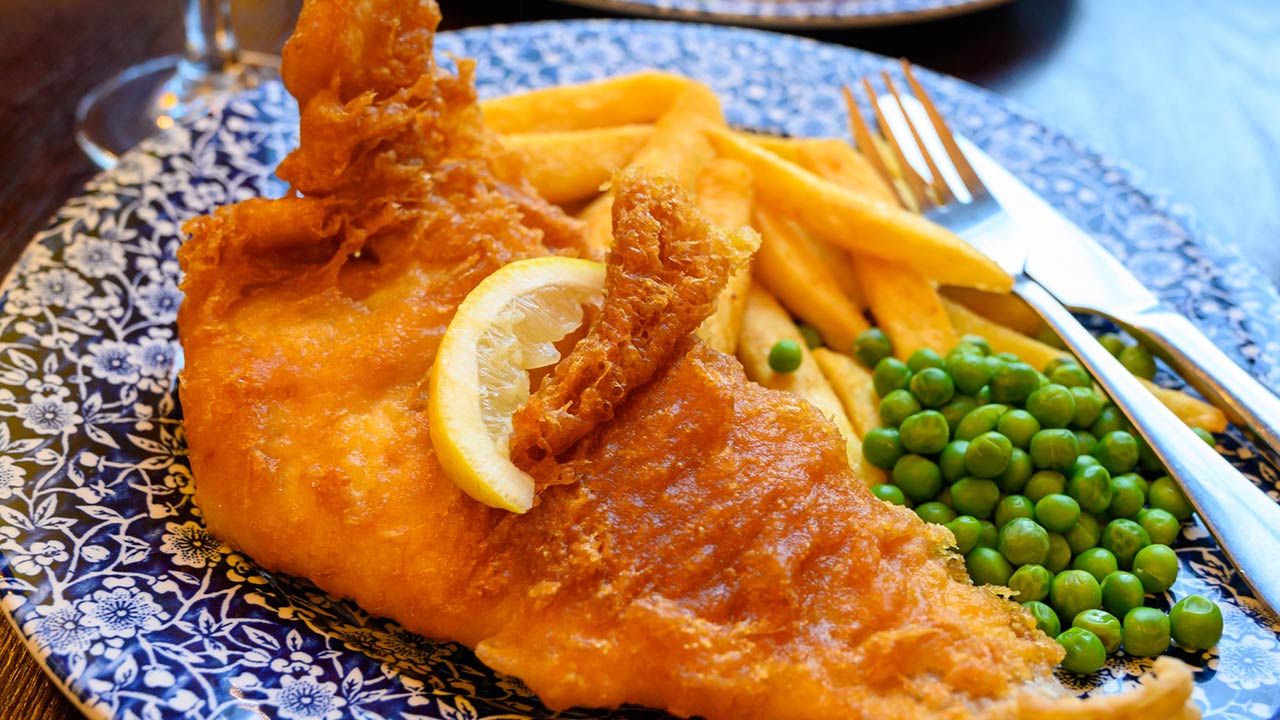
(667, 266)
(716, 557)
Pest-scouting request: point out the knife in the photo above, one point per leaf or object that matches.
(1082, 275)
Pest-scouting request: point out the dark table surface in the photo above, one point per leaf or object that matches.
(1186, 91)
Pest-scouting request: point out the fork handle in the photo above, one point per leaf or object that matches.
(1246, 401)
(1245, 522)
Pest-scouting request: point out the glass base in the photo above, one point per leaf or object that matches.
(152, 96)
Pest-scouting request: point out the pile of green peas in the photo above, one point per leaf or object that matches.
(1046, 488)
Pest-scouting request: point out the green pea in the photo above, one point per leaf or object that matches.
(967, 529)
(1007, 357)
(978, 342)
(1046, 619)
(957, 409)
(1086, 441)
(983, 396)
(969, 372)
(1206, 436)
(1073, 592)
(1085, 653)
(1128, 495)
(1098, 562)
(890, 374)
(1091, 487)
(1161, 526)
(1054, 449)
(1057, 512)
(1121, 592)
(1057, 362)
(924, 358)
(896, 407)
(987, 567)
(1124, 538)
(1030, 582)
(1115, 344)
(932, 387)
(1070, 375)
(1104, 625)
(813, 338)
(980, 420)
(889, 493)
(974, 496)
(872, 346)
(944, 495)
(918, 477)
(785, 356)
(1052, 405)
(1083, 461)
(1165, 494)
(1012, 507)
(1084, 534)
(1059, 553)
(988, 535)
(924, 433)
(1109, 419)
(1018, 426)
(882, 447)
(1117, 451)
(935, 512)
(1138, 361)
(1157, 567)
(988, 455)
(1023, 542)
(1089, 406)
(951, 460)
(1044, 482)
(1013, 382)
(1146, 632)
(1016, 473)
(1196, 622)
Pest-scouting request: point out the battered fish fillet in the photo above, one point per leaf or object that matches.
(715, 554)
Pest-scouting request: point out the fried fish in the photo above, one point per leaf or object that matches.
(703, 547)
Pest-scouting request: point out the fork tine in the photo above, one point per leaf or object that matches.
(970, 178)
(862, 138)
(941, 192)
(912, 180)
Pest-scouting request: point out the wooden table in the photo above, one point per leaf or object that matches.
(1186, 90)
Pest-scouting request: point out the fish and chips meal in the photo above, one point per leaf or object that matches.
(647, 409)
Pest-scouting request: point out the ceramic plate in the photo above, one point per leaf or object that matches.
(808, 14)
(139, 612)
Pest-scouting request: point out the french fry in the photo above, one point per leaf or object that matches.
(677, 148)
(725, 197)
(853, 385)
(787, 148)
(905, 306)
(570, 165)
(860, 223)
(765, 323)
(624, 100)
(838, 262)
(838, 162)
(793, 273)
(1003, 308)
(1192, 411)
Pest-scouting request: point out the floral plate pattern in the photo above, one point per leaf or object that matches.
(138, 612)
(808, 14)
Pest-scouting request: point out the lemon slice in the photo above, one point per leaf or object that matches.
(506, 326)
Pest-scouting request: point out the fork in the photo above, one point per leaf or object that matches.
(1243, 519)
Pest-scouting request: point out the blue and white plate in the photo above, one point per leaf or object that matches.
(797, 14)
(139, 612)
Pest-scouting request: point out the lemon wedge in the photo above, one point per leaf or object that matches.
(506, 326)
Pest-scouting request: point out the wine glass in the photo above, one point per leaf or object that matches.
(153, 95)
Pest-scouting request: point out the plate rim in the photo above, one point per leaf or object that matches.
(798, 22)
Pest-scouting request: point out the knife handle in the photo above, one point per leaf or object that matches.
(1178, 342)
(1245, 522)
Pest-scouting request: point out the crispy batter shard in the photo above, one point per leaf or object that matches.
(715, 558)
(666, 269)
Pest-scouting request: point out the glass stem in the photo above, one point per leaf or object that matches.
(211, 43)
